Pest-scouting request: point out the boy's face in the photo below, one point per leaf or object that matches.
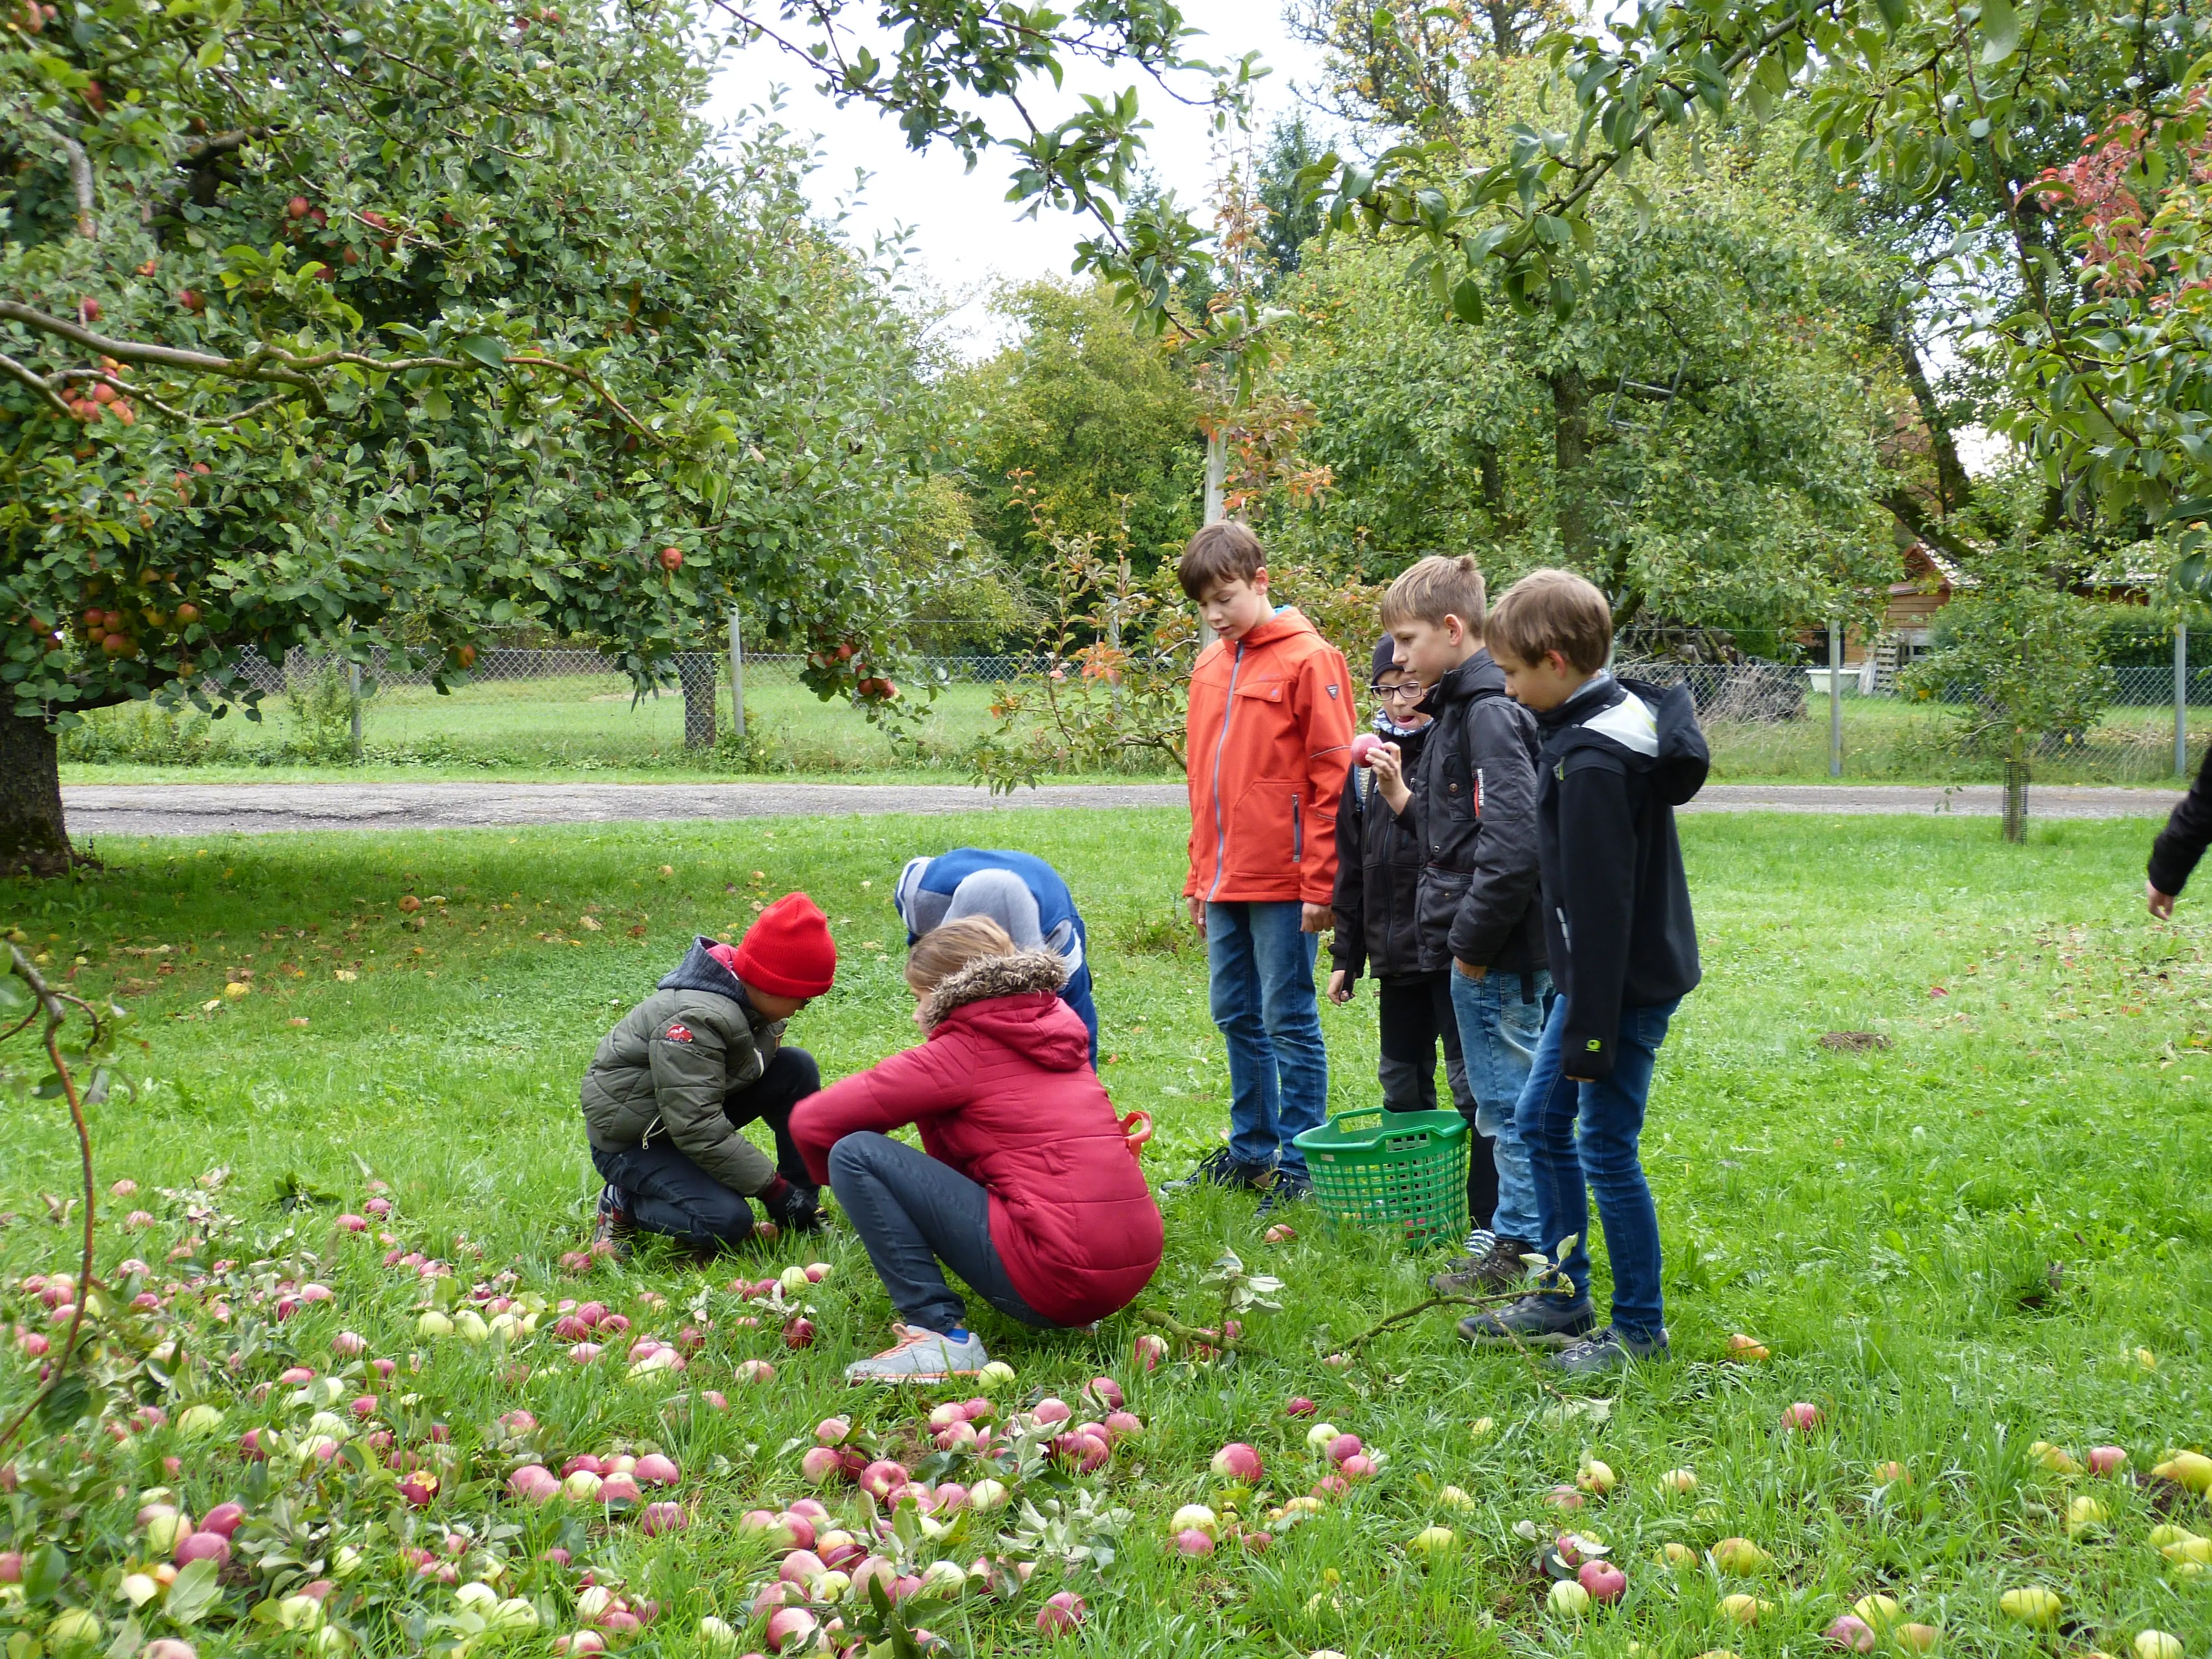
(1400, 692)
(1542, 685)
(1233, 608)
(1430, 650)
(769, 1005)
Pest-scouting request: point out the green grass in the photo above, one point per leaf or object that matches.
(1954, 1246)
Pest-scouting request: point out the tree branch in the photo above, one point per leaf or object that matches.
(15, 371)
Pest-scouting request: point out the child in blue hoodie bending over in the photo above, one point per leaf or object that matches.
(1618, 757)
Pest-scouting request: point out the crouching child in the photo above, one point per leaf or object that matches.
(672, 1085)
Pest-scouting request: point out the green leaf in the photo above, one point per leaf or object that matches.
(486, 350)
(1467, 300)
(2000, 30)
(193, 1594)
(210, 52)
(1892, 14)
(43, 1571)
(65, 1404)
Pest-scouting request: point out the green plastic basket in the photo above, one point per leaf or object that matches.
(1401, 1172)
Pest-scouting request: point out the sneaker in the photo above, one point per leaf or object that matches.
(1288, 1187)
(614, 1230)
(1499, 1268)
(1223, 1169)
(1611, 1350)
(1534, 1321)
(920, 1356)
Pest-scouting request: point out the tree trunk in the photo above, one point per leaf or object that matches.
(1569, 463)
(695, 671)
(2016, 801)
(33, 839)
(1953, 486)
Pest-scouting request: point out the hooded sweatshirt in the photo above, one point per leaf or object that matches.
(1379, 857)
(1618, 756)
(1003, 1092)
(1018, 890)
(664, 1070)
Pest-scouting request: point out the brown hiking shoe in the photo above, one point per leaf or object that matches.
(1498, 1268)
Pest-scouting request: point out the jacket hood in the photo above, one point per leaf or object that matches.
(1478, 674)
(1653, 729)
(1016, 1000)
(1286, 623)
(700, 971)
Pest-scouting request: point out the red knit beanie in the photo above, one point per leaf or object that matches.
(787, 951)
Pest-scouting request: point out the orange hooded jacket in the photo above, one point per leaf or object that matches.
(1268, 742)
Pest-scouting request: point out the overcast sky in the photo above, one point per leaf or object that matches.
(966, 234)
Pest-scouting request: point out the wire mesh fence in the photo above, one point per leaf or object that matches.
(560, 710)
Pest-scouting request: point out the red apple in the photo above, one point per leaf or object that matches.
(1363, 747)
(1149, 1350)
(1192, 1541)
(1062, 1611)
(798, 1332)
(1604, 1581)
(1238, 1461)
(671, 558)
(1803, 1417)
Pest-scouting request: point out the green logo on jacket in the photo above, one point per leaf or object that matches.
(1593, 1045)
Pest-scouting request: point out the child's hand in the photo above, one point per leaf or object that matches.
(1389, 762)
(1339, 990)
(1197, 913)
(1317, 919)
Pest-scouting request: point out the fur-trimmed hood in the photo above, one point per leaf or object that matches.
(1023, 972)
(1014, 1001)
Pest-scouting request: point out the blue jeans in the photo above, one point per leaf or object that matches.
(1262, 971)
(1498, 1033)
(1604, 1153)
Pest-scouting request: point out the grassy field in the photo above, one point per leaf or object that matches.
(1990, 1233)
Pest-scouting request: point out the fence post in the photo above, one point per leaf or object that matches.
(737, 678)
(2181, 699)
(1835, 700)
(353, 691)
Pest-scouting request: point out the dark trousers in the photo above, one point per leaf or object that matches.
(912, 1212)
(665, 1192)
(1416, 1016)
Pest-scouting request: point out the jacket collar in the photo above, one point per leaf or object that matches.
(1478, 676)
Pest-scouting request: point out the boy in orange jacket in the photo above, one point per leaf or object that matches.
(1268, 744)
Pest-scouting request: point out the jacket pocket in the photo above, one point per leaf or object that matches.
(1436, 904)
(1263, 830)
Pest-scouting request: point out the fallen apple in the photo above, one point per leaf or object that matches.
(1741, 1557)
(2031, 1604)
(1149, 1350)
(1569, 1598)
(1919, 1638)
(1744, 1609)
(1851, 1633)
(2107, 1460)
(1106, 1392)
(1192, 1541)
(1434, 1541)
(1605, 1582)
(1596, 1478)
(1881, 1612)
(1238, 1461)
(1804, 1416)
(1299, 1406)
(1678, 1480)
(1062, 1611)
(2157, 1644)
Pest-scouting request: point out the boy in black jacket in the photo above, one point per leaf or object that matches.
(1618, 756)
(1378, 872)
(1475, 812)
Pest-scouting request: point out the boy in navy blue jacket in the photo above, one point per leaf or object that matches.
(1618, 757)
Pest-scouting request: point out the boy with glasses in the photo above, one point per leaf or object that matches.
(1379, 857)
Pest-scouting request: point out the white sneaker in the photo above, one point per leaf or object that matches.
(920, 1356)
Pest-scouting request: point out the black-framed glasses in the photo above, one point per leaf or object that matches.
(1406, 691)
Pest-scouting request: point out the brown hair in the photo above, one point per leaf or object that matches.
(1224, 551)
(944, 950)
(1434, 588)
(1554, 611)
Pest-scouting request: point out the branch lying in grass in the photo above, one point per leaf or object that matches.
(55, 1006)
(1449, 1298)
(1199, 1333)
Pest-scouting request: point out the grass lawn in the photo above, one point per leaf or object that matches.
(1955, 1248)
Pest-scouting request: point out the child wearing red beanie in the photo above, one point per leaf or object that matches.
(671, 1085)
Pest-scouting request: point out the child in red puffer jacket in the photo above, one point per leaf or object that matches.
(1025, 1186)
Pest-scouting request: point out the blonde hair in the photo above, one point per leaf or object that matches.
(944, 950)
(1434, 588)
(1554, 611)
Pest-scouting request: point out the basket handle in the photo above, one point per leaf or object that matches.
(1136, 1130)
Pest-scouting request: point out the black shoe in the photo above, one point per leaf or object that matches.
(1534, 1321)
(1222, 1170)
(1611, 1349)
(614, 1230)
(1499, 1269)
(1288, 1187)
(799, 1210)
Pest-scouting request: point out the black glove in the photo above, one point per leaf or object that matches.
(793, 1206)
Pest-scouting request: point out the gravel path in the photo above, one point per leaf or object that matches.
(192, 809)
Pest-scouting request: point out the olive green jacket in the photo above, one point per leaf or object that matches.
(663, 1072)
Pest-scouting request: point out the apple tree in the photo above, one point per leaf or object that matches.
(391, 327)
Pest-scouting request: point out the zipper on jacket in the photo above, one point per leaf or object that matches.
(1228, 713)
(1298, 831)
